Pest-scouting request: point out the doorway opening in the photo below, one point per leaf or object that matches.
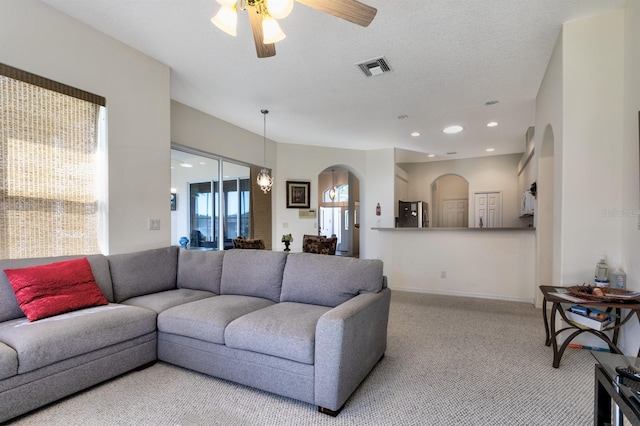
(339, 209)
(450, 201)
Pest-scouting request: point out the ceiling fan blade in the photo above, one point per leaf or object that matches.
(351, 10)
(263, 50)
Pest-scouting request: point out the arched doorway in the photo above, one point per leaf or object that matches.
(339, 208)
(545, 224)
(450, 201)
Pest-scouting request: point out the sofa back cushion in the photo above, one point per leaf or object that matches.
(144, 272)
(200, 269)
(329, 280)
(9, 308)
(255, 273)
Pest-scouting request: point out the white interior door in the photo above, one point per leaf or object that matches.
(488, 209)
(455, 213)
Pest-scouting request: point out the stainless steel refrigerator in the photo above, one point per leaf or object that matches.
(413, 214)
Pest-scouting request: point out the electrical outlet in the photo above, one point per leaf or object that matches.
(443, 275)
(154, 224)
(285, 225)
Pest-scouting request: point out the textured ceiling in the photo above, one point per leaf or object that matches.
(448, 58)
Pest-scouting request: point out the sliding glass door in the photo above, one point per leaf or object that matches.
(202, 214)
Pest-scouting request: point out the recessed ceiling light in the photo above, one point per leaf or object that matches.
(492, 124)
(202, 163)
(403, 117)
(453, 129)
(489, 103)
(431, 155)
(415, 134)
(490, 149)
(187, 165)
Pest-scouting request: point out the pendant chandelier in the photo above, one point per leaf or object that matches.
(332, 191)
(265, 180)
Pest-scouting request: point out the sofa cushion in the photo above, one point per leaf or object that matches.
(200, 269)
(8, 362)
(253, 273)
(164, 300)
(64, 336)
(55, 288)
(145, 272)
(9, 308)
(328, 280)
(207, 319)
(285, 330)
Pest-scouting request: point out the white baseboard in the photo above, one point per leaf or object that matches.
(463, 294)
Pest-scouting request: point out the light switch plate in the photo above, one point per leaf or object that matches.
(154, 224)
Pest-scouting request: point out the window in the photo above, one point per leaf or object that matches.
(49, 177)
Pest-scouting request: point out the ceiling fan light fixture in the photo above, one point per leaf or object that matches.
(228, 3)
(226, 19)
(279, 9)
(271, 30)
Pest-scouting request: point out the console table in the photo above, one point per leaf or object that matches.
(549, 293)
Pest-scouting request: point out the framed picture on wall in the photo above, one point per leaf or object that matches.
(298, 195)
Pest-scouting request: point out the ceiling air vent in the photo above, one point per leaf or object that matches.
(373, 67)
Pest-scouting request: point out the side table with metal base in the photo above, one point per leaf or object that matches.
(550, 295)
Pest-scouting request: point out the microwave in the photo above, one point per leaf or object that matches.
(528, 204)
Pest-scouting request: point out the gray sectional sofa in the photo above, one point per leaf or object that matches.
(305, 326)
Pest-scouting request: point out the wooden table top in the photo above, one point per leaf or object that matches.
(549, 290)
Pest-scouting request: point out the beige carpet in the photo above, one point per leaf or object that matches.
(450, 361)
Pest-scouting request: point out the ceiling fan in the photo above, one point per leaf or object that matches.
(263, 15)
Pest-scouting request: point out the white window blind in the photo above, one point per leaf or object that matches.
(48, 167)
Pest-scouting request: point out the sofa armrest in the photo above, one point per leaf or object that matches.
(350, 339)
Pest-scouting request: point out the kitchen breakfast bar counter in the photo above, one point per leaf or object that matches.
(494, 263)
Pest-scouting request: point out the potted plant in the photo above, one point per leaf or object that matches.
(287, 239)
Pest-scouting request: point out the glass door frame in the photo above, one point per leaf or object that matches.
(218, 197)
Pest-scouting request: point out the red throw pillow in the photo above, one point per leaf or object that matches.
(46, 290)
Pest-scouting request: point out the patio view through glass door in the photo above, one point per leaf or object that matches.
(207, 217)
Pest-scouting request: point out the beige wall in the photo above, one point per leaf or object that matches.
(204, 132)
(587, 107)
(593, 67)
(629, 160)
(43, 41)
(547, 162)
